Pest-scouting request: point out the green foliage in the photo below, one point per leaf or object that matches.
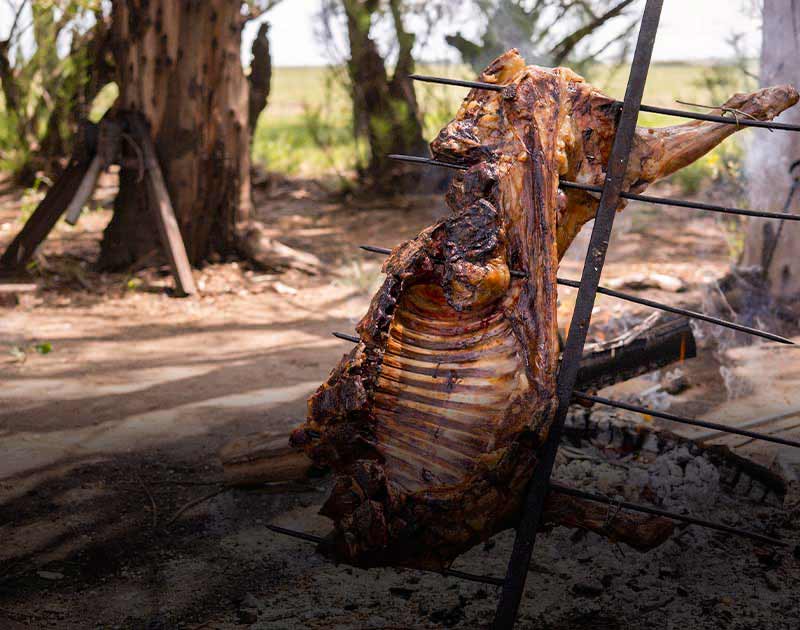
(549, 32)
(31, 198)
(20, 353)
(133, 284)
(42, 85)
(44, 347)
(306, 128)
(103, 101)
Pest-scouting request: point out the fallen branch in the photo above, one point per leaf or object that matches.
(193, 503)
(267, 253)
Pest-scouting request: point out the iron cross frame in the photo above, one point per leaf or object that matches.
(533, 506)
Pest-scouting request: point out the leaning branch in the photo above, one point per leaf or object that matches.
(562, 49)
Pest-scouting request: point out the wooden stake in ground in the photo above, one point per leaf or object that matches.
(163, 212)
(107, 150)
(50, 209)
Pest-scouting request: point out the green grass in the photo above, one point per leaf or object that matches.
(306, 128)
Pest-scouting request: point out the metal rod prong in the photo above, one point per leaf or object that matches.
(690, 421)
(590, 496)
(681, 311)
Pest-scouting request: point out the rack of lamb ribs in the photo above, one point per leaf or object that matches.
(432, 423)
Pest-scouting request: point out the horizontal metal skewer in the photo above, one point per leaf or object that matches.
(652, 412)
(346, 337)
(376, 250)
(680, 203)
(691, 421)
(580, 494)
(740, 122)
(643, 301)
(590, 496)
(415, 159)
(681, 311)
(478, 85)
(471, 577)
(296, 534)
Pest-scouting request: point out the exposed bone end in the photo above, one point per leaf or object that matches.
(263, 458)
(766, 103)
(504, 69)
(640, 532)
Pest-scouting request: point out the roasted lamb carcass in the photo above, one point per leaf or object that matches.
(433, 421)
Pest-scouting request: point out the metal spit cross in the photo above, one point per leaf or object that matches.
(610, 194)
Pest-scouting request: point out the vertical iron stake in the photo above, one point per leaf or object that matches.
(533, 505)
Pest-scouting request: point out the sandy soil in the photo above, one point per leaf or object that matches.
(109, 436)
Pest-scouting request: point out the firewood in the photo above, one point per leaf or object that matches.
(262, 458)
(85, 190)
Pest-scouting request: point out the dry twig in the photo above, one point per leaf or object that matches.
(193, 503)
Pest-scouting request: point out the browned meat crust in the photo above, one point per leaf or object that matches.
(432, 423)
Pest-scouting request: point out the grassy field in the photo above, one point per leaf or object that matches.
(305, 129)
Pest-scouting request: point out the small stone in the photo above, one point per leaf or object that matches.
(403, 593)
(50, 575)
(667, 571)
(675, 382)
(683, 456)
(772, 582)
(651, 443)
(248, 615)
(757, 491)
(249, 601)
(284, 289)
(587, 588)
(743, 485)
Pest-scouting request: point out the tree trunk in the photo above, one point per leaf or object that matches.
(260, 78)
(770, 156)
(387, 108)
(178, 64)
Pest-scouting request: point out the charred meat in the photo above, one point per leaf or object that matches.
(433, 422)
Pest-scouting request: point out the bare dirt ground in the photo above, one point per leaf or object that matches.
(109, 437)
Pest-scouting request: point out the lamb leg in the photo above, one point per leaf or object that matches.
(640, 532)
(659, 152)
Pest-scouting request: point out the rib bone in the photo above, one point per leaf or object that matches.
(432, 423)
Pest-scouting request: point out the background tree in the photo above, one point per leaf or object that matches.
(260, 77)
(770, 246)
(546, 32)
(385, 109)
(178, 64)
(45, 93)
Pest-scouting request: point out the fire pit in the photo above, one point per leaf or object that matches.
(583, 580)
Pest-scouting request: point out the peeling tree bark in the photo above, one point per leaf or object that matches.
(770, 156)
(260, 78)
(178, 64)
